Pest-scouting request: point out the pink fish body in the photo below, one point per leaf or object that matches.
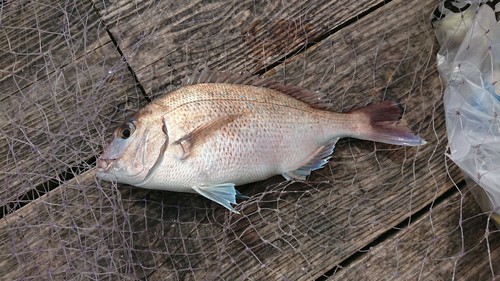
(206, 138)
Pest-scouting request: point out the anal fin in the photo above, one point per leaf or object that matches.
(317, 161)
(225, 194)
(298, 174)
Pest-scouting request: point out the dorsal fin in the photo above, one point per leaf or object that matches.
(205, 75)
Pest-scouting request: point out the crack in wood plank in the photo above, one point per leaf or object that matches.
(54, 122)
(431, 248)
(130, 233)
(176, 37)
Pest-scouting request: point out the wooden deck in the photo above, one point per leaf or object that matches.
(70, 72)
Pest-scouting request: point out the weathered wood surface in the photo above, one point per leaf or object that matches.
(41, 37)
(164, 41)
(63, 85)
(448, 241)
(300, 231)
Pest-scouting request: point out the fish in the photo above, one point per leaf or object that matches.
(220, 130)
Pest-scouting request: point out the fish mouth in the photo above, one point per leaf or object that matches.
(108, 168)
(104, 164)
(105, 169)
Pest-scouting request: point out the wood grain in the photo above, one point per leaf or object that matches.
(165, 40)
(58, 118)
(452, 240)
(68, 233)
(89, 229)
(39, 37)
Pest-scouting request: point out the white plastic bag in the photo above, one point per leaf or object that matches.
(469, 63)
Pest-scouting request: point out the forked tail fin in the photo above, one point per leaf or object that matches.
(380, 124)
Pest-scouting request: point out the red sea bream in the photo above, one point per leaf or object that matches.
(206, 138)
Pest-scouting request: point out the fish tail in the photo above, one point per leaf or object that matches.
(379, 123)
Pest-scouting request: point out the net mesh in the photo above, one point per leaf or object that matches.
(71, 71)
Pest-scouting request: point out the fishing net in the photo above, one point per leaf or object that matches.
(71, 71)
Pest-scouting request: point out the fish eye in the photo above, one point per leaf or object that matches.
(126, 131)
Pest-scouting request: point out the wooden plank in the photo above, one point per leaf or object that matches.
(39, 37)
(58, 118)
(298, 231)
(61, 121)
(165, 40)
(91, 229)
(452, 241)
(58, 235)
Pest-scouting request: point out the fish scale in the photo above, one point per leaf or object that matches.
(206, 138)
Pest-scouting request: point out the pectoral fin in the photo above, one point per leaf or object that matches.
(224, 194)
(199, 135)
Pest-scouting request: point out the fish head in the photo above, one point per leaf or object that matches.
(132, 152)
